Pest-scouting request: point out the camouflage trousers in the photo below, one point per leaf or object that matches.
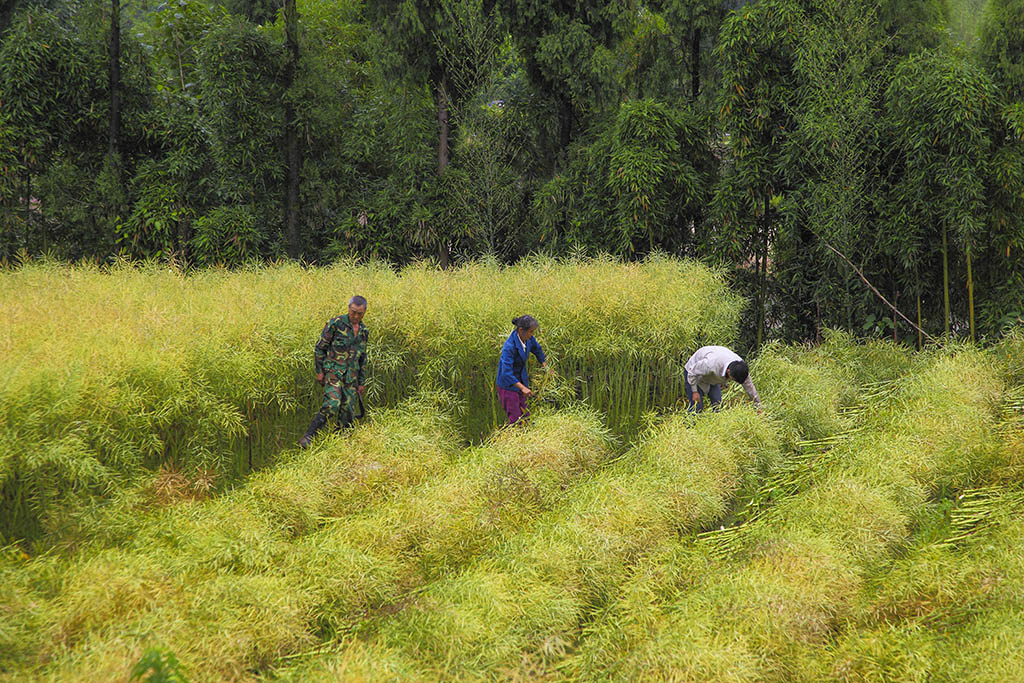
(339, 399)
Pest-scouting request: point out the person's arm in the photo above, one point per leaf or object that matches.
(748, 386)
(361, 381)
(694, 375)
(320, 351)
(539, 352)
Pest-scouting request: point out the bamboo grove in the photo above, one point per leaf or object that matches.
(815, 149)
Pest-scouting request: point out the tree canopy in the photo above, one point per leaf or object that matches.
(808, 146)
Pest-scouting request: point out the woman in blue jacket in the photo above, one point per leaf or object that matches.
(513, 380)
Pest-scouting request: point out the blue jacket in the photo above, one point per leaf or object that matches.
(512, 364)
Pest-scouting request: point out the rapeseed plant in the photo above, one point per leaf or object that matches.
(308, 567)
(871, 510)
(796, 573)
(213, 574)
(112, 373)
(518, 609)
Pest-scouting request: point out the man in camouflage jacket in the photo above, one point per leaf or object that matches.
(340, 367)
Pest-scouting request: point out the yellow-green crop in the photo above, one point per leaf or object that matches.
(110, 372)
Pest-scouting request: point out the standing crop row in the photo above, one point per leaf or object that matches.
(109, 373)
(308, 551)
(790, 580)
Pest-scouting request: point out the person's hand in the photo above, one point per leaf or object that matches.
(695, 398)
(527, 391)
(320, 378)
(361, 389)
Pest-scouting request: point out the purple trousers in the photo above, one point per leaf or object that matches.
(514, 404)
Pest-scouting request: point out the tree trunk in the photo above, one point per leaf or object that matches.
(945, 276)
(847, 289)
(895, 337)
(695, 64)
(442, 160)
(27, 244)
(693, 248)
(921, 340)
(292, 152)
(817, 322)
(28, 204)
(184, 236)
(565, 117)
(807, 324)
(9, 235)
(762, 296)
(115, 80)
(114, 150)
(970, 290)
(442, 119)
(757, 283)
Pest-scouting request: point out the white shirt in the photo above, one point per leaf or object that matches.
(708, 366)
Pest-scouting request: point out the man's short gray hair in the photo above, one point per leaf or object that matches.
(357, 301)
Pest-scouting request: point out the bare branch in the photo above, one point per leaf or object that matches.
(877, 293)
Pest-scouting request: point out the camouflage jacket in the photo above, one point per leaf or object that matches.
(342, 351)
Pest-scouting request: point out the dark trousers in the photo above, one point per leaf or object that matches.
(715, 394)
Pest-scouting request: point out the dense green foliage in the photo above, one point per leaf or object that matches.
(759, 135)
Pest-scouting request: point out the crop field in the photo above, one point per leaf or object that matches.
(158, 521)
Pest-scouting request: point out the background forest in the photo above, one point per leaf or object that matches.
(794, 142)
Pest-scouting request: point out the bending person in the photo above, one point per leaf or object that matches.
(513, 380)
(707, 370)
(340, 359)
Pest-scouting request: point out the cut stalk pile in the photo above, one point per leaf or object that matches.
(792, 578)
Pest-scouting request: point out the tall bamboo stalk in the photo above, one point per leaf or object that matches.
(764, 275)
(970, 290)
(945, 276)
(115, 82)
(920, 341)
(293, 150)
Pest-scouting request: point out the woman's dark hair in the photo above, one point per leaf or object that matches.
(525, 323)
(738, 371)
